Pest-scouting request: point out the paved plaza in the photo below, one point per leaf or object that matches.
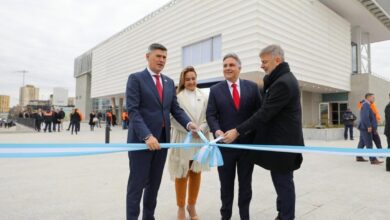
(328, 187)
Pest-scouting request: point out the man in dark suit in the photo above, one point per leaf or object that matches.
(150, 99)
(368, 124)
(277, 122)
(231, 102)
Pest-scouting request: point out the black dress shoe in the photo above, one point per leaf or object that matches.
(361, 159)
(376, 162)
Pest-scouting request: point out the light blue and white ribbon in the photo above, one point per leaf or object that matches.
(209, 152)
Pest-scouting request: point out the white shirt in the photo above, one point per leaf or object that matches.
(191, 96)
(153, 76)
(231, 88)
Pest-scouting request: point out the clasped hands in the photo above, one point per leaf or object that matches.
(229, 136)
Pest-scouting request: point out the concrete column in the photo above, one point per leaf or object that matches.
(368, 53)
(357, 31)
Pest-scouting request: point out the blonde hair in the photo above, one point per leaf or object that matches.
(183, 73)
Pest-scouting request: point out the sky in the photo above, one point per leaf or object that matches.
(43, 37)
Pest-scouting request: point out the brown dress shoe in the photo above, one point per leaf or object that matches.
(361, 159)
(376, 162)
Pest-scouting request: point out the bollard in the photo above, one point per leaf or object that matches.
(107, 133)
(388, 164)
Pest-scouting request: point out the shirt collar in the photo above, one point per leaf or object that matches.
(151, 72)
(237, 82)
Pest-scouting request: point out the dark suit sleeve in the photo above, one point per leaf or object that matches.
(365, 115)
(278, 97)
(177, 112)
(258, 97)
(133, 90)
(212, 113)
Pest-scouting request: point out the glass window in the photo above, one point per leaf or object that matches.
(187, 56)
(217, 47)
(205, 51)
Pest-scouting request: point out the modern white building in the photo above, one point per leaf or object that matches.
(60, 96)
(326, 42)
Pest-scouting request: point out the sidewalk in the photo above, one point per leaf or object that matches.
(328, 187)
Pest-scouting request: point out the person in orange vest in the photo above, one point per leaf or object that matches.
(108, 117)
(125, 120)
(375, 135)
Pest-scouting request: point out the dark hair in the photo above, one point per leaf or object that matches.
(183, 73)
(368, 95)
(234, 56)
(156, 46)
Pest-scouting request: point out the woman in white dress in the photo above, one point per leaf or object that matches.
(185, 171)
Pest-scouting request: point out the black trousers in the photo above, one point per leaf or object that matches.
(234, 159)
(146, 170)
(285, 190)
(377, 139)
(388, 158)
(47, 125)
(346, 128)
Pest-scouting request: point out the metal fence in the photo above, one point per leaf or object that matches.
(28, 122)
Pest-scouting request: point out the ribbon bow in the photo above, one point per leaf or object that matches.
(209, 152)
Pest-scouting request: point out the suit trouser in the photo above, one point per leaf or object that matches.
(365, 140)
(376, 139)
(285, 190)
(146, 170)
(235, 159)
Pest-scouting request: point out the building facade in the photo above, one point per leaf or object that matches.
(4, 103)
(60, 96)
(27, 93)
(325, 42)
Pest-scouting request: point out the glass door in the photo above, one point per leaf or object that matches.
(324, 113)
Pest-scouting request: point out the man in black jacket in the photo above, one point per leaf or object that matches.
(277, 122)
(387, 131)
(348, 119)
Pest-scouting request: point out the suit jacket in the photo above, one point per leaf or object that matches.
(367, 117)
(278, 121)
(221, 113)
(147, 114)
(387, 118)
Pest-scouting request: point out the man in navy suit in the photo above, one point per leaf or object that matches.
(231, 102)
(368, 124)
(150, 99)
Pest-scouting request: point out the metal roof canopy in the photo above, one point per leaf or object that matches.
(371, 15)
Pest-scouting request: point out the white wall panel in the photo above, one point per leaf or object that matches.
(186, 22)
(316, 41)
